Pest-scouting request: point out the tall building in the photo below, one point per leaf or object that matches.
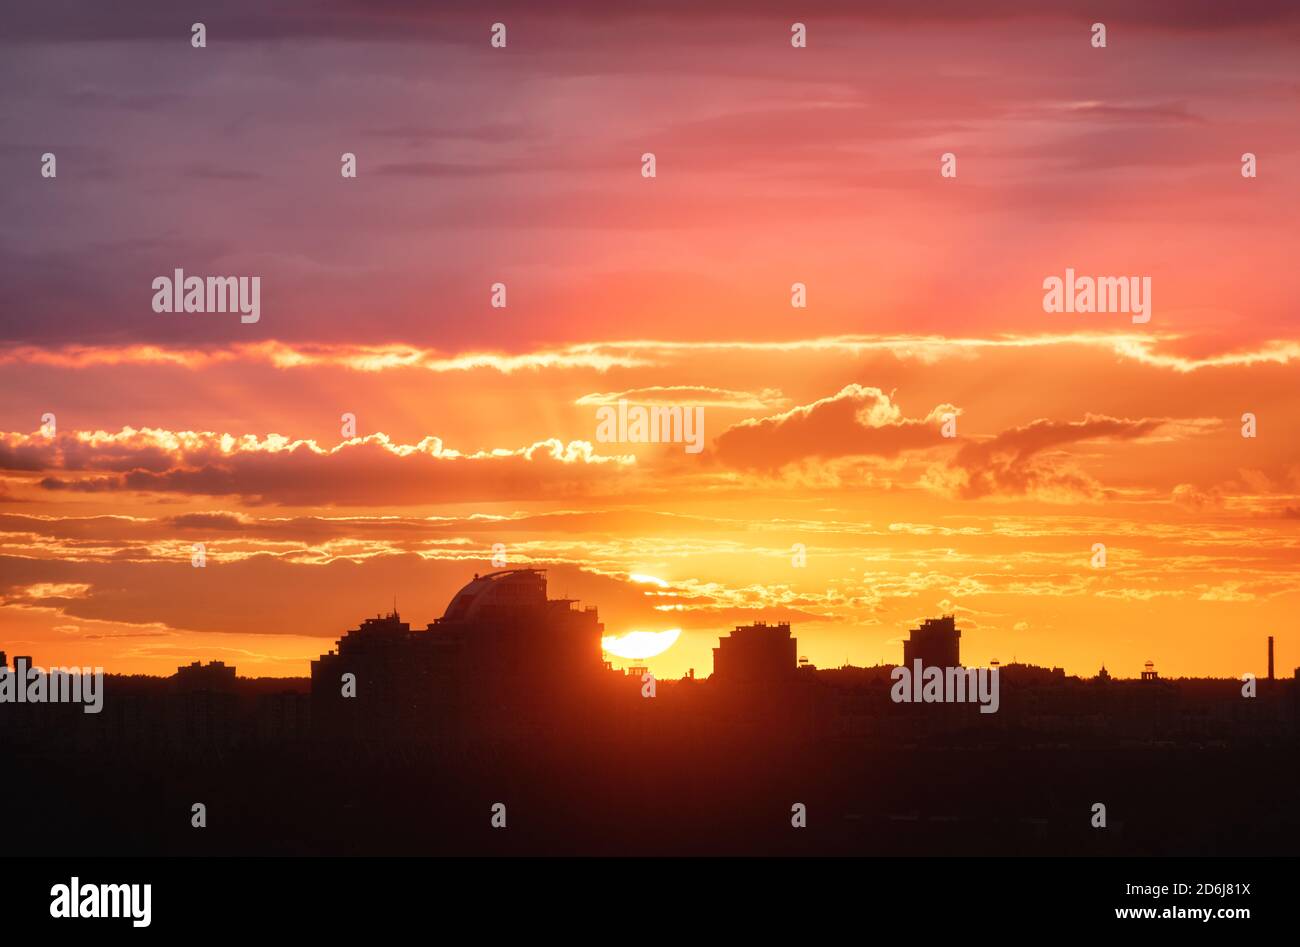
(1270, 657)
(378, 681)
(937, 643)
(1295, 702)
(205, 706)
(215, 676)
(757, 653)
(501, 651)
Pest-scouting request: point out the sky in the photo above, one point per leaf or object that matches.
(826, 493)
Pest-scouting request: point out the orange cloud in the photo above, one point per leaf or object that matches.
(689, 395)
(1152, 349)
(857, 420)
(1013, 462)
(275, 469)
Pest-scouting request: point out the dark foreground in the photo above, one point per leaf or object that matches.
(656, 797)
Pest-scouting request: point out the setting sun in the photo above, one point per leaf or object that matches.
(640, 644)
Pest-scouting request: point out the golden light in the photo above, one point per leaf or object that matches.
(648, 579)
(640, 644)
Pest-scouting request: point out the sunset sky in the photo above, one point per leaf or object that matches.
(477, 425)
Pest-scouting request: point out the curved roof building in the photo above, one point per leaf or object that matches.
(506, 590)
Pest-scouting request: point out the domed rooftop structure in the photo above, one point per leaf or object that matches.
(508, 589)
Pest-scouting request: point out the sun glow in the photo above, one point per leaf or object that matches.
(640, 644)
(648, 580)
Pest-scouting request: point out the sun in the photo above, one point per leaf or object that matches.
(640, 644)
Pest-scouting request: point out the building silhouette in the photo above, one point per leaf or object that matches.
(502, 655)
(937, 643)
(502, 629)
(755, 654)
(216, 676)
(205, 706)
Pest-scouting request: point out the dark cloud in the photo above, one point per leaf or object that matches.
(856, 421)
(264, 594)
(1013, 462)
(96, 532)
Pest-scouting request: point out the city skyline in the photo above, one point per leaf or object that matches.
(502, 714)
(936, 642)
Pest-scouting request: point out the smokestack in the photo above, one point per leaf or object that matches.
(1270, 657)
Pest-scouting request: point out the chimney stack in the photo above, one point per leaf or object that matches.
(1270, 657)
